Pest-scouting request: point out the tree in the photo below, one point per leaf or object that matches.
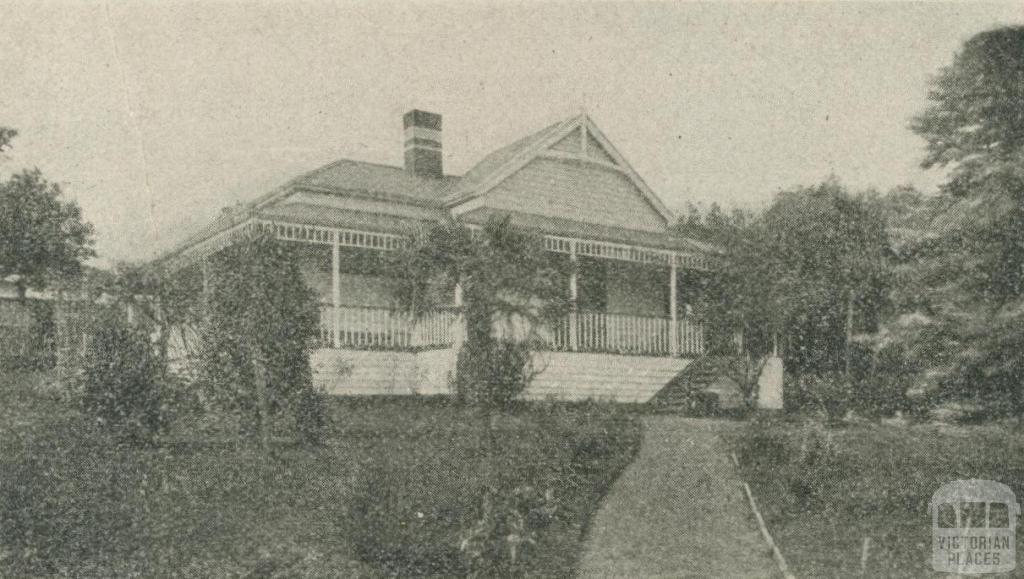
(6, 136)
(808, 278)
(975, 123)
(972, 264)
(42, 237)
(260, 326)
(510, 285)
(729, 294)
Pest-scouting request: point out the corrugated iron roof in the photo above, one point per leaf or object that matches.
(343, 218)
(382, 181)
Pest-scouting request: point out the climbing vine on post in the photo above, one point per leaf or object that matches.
(261, 324)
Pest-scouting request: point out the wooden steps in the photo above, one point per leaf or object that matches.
(704, 387)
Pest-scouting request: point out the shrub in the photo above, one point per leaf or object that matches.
(120, 382)
(27, 344)
(828, 392)
(506, 505)
(804, 462)
(493, 373)
(883, 380)
(408, 518)
(508, 526)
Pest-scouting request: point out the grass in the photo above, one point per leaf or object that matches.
(823, 490)
(74, 503)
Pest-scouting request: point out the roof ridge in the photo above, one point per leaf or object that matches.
(518, 148)
(374, 163)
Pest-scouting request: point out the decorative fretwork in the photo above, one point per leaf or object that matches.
(619, 251)
(328, 235)
(389, 241)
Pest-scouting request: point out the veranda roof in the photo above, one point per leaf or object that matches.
(590, 231)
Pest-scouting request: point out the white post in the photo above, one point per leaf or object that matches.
(336, 293)
(673, 329)
(573, 294)
(458, 295)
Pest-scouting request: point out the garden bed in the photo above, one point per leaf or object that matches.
(72, 502)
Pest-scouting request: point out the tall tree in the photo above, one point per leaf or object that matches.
(42, 236)
(972, 265)
(812, 270)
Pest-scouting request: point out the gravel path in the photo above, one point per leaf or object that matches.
(677, 511)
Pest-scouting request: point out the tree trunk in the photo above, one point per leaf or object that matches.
(849, 330)
(262, 402)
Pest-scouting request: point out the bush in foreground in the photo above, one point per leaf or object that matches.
(121, 380)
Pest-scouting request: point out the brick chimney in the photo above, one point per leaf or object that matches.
(423, 143)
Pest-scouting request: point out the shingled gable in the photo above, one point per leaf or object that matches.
(567, 170)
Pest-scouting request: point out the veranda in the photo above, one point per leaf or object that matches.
(624, 299)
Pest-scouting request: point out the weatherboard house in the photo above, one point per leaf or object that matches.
(630, 328)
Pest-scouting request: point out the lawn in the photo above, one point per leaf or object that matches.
(824, 490)
(409, 471)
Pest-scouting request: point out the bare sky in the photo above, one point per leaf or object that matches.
(153, 115)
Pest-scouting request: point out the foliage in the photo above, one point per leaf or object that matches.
(714, 225)
(510, 287)
(27, 335)
(506, 532)
(810, 271)
(6, 136)
(121, 380)
(479, 510)
(493, 373)
(42, 237)
(824, 252)
(828, 392)
(408, 517)
(969, 315)
(727, 293)
(974, 121)
(260, 326)
(74, 505)
(822, 490)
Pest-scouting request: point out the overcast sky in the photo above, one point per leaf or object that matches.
(154, 116)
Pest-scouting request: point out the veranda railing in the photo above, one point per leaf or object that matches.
(383, 328)
(626, 334)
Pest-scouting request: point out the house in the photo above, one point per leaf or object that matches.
(629, 330)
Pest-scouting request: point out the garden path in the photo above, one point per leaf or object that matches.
(678, 511)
